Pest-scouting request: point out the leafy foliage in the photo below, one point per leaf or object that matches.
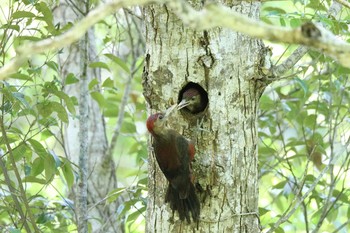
(303, 127)
(304, 132)
(36, 176)
(32, 112)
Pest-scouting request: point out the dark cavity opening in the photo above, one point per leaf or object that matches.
(202, 105)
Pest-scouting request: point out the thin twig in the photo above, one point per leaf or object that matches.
(126, 94)
(290, 212)
(290, 62)
(20, 184)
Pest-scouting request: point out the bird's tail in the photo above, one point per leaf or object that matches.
(184, 206)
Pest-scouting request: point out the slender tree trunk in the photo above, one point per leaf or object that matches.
(100, 168)
(225, 64)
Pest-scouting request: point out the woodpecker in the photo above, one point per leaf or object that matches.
(192, 101)
(174, 154)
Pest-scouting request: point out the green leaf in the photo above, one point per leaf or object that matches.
(22, 14)
(134, 148)
(133, 216)
(94, 82)
(27, 112)
(20, 97)
(296, 22)
(98, 97)
(99, 64)
(280, 185)
(118, 61)
(279, 230)
(68, 101)
(10, 138)
(108, 83)
(109, 112)
(70, 105)
(71, 79)
(143, 182)
(33, 179)
(42, 218)
(56, 158)
(42, 7)
(19, 152)
(263, 211)
(45, 134)
(48, 17)
(310, 178)
(11, 26)
(332, 215)
(282, 22)
(60, 110)
(68, 173)
(128, 127)
(266, 103)
(310, 121)
(38, 148)
(341, 196)
(47, 122)
(53, 65)
(267, 150)
(316, 5)
(274, 10)
(37, 166)
(114, 194)
(44, 109)
(21, 76)
(50, 167)
(303, 85)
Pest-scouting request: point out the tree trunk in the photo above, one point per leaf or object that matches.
(225, 64)
(100, 167)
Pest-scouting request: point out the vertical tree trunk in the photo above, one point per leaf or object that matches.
(100, 167)
(225, 64)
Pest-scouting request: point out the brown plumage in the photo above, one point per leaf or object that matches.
(174, 154)
(192, 101)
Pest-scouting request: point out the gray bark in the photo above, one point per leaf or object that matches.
(225, 64)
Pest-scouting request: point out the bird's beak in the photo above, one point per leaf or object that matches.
(182, 104)
(169, 110)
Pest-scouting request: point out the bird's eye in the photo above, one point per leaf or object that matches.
(160, 117)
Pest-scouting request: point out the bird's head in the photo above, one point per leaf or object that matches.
(156, 122)
(191, 99)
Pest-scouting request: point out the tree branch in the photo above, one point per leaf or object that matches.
(69, 37)
(289, 63)
(310, 34)
(344, 3)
